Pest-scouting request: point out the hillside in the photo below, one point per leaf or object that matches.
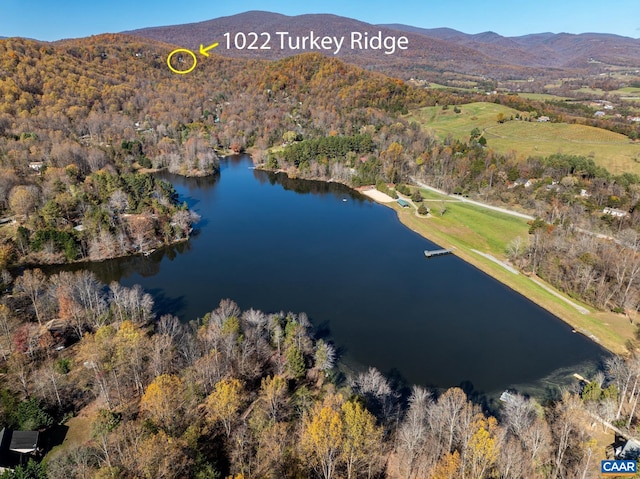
(613, 151)
(431, 52)
(127, 78)
(88, 114)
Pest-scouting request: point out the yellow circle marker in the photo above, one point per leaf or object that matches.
(182, 50)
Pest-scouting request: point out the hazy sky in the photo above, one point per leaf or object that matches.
(56, 19)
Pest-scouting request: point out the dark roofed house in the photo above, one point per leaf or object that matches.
(18, 442)
(24, 442)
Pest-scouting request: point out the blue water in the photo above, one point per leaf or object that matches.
(274, 244)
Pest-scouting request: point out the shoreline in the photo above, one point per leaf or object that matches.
(534, 289)
(582, 318)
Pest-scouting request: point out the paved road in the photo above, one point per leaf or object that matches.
(514, 213)
(473, 202)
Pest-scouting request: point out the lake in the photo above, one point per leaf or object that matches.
(272, 243)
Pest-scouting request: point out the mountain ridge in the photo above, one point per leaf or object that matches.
(425, 54)
(487, 54)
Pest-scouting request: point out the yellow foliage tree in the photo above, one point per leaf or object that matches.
(448, 467)
(162, 456)
(7, 254)
(273, 393)
(362, 439)
(224, 403)
(130, 348)
(483, 446)
(323, 436)
(163, 401)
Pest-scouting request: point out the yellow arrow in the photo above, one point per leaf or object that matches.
(205, 50)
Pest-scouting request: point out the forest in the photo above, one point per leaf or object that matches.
(82, 122)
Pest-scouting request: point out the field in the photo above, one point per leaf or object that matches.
(469, 227)
(626, 93)
(611, 150)
(542, 96)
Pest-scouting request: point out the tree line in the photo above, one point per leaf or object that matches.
(253, 394)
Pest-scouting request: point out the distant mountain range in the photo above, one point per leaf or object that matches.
(561, 50)
(430, 50)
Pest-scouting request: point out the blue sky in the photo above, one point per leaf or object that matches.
(56, 19)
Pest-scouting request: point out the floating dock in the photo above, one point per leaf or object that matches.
(437, 252)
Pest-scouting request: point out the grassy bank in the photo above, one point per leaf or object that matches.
(469, 227)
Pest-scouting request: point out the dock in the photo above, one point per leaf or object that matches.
(437, 252)
(507, 397)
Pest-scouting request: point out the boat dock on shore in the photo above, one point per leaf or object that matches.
(437, 252)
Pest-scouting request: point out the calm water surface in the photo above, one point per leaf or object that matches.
(274, 244)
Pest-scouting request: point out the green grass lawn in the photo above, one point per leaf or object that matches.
(479, 228)
(467, 227)
(79, 433)
(630, 90)
(613, 151)
(627, 93)
(438, 86)
(472, 115)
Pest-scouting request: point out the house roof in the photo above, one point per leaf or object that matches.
(24, 441)
(630, 450)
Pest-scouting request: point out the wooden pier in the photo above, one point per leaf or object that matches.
(437, 252)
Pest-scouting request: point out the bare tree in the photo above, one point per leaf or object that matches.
(519, 414)
(119, 201)
(381, 398)
(510, 463)
(33, 284)
(325, 356)
(446, 416)
(141, 230)
(412, 433)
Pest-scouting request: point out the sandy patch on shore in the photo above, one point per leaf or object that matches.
(378, 196)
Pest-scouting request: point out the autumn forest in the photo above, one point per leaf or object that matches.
(84, 127)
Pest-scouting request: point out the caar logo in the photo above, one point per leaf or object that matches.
(618, 468)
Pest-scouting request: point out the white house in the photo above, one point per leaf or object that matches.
(615, 212)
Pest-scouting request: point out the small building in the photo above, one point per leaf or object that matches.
(15, 444)
(521, 182)
(599, 114)
(543, 119)
(630, 450)
(403, 203)
(615, 212)
(36, 165)
(507, 397)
